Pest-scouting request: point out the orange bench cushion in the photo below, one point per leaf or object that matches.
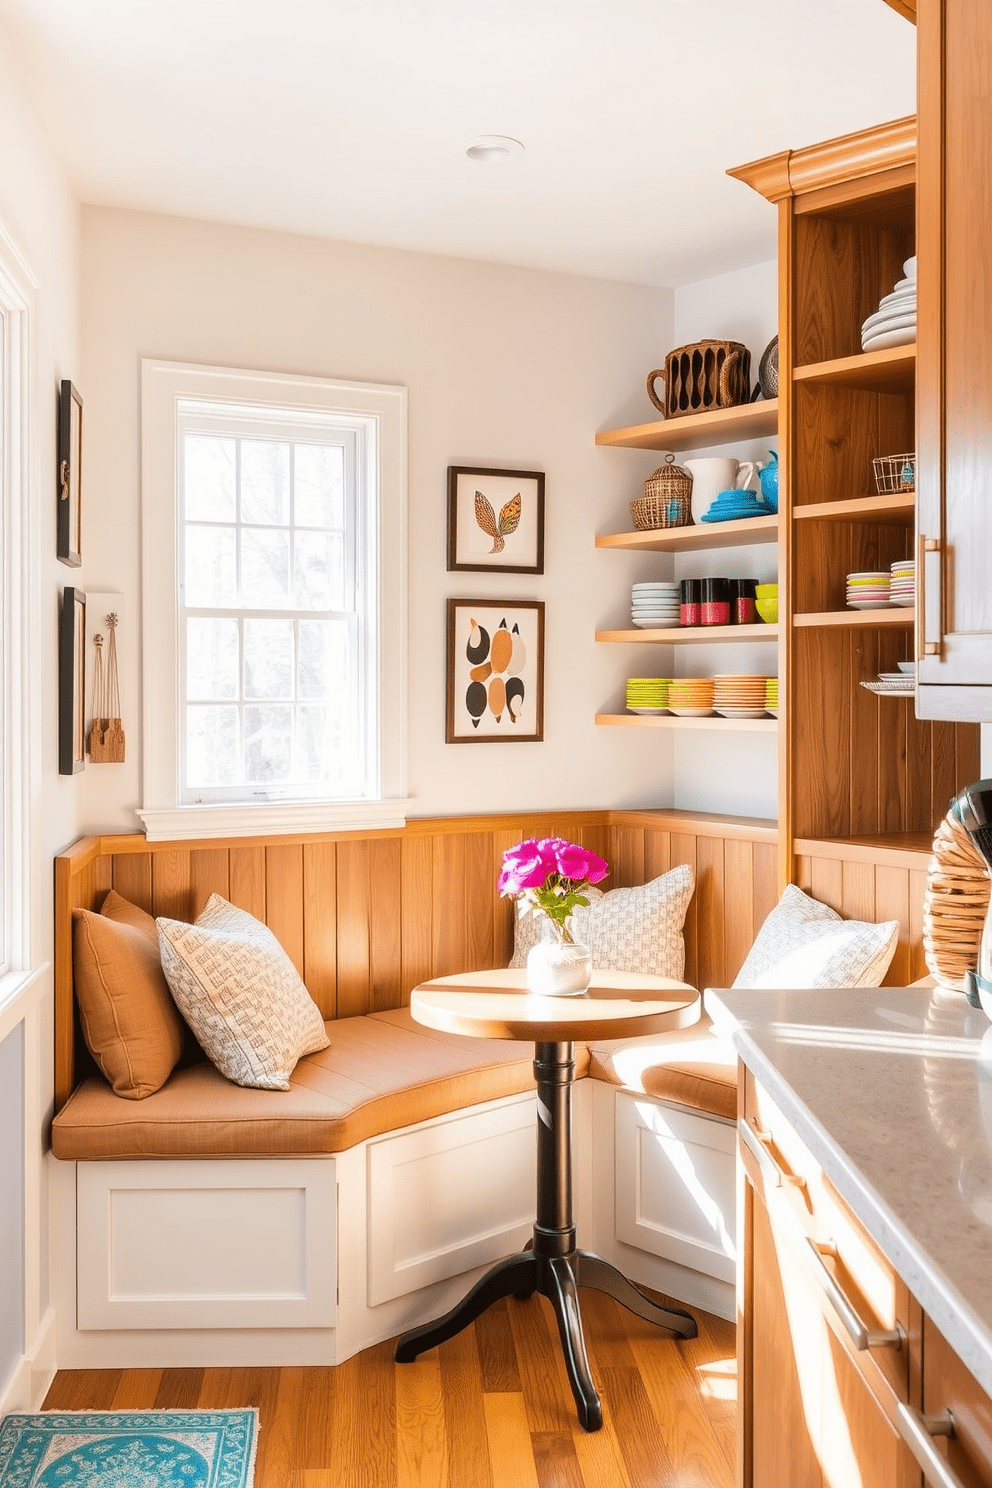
(690, 1066)
(381, 1072)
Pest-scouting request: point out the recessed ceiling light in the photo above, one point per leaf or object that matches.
(492, 149)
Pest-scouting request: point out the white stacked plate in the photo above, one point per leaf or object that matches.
(894, 322)
(868, 591)
(740, 695)
(902, 588)
(654, 606)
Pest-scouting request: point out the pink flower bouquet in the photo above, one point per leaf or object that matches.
(551, 876)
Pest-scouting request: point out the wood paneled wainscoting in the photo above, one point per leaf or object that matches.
(365, 918)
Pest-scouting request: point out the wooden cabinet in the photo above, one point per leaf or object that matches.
(827, 1334)
(951, 1394)
(843, 1380)
(856, 768)
(955, 362)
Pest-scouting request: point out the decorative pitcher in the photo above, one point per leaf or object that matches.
(714, 474)
(768, 480)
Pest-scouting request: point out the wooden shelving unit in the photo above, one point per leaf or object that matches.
(668, 721)
(698, 430)
(859, 781)
(687, 635)
(696, 538)
(895, 619)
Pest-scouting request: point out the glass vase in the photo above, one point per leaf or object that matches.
(557, 968)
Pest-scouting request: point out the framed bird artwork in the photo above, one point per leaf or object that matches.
(495, 674)
(495, 520)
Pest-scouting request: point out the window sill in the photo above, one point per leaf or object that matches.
(283, 818)
(19, 991)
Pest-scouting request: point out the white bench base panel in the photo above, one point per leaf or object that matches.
(308, 1261)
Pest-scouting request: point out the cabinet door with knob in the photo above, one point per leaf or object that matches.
(954, 366)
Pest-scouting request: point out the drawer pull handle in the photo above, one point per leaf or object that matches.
(918, 1432)
(756, 1143)
(855, 1326)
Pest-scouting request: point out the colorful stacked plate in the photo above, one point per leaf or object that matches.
(740, 695)
(771, 696)
(648, 695)
(734, 506)
(654, 605)
(868, 591)
(902, 587)
(691, 697)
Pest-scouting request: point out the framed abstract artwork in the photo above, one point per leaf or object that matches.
(495, 520)
(495, 676)
(72, 682)
(69, 523)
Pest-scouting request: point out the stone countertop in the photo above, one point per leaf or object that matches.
(891, 1089)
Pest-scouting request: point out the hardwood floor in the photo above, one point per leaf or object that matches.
(489, 1409)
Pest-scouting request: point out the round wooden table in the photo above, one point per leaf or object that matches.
(497, 1004)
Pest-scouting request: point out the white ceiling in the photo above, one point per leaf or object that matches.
(349, 118)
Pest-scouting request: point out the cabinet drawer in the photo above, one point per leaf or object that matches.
(949, 1386)
(879, 1298)
(866, 1303)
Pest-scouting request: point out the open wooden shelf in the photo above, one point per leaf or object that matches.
(737, 725)
(895, 509)
(683, 634)
(698, 430)
(890, 371)
(894, 849)
(698, 537)
(895, 619)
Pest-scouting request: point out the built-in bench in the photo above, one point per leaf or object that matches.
(401, 1160)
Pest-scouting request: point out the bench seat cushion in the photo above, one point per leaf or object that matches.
(380, 1072)
(690, 1066)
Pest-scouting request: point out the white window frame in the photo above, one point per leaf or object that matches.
(383, 409)
(18, 705)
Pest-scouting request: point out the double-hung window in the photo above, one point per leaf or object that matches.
(274, 613)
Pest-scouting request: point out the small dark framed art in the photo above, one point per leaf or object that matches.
(495, 520)
(495, 676)
(72, 682)
(69, 525)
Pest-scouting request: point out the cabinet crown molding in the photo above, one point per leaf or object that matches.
(795, 172)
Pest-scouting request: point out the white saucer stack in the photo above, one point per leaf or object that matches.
(894, 322)
(655, 606)
(902, 585)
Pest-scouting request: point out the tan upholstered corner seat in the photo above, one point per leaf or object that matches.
(382, 1071)
(690, 1066)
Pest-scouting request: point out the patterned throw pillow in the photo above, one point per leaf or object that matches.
(637, 929)
(804, 943)
(241, 994)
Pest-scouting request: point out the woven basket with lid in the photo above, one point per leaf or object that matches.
(667, 499)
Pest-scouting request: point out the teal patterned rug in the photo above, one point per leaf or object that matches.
(129, 1449)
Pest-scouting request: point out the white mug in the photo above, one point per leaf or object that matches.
(714, 474)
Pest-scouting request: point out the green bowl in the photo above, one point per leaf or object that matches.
(768, 610)
(766, 591)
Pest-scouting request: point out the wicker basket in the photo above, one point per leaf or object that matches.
(955, 903)
(895, 473)
(667, 499)
(705, 375)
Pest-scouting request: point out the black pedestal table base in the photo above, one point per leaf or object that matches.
(552, 1265)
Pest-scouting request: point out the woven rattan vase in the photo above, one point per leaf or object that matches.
(955, 904)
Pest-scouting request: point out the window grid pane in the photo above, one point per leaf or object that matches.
(272, 636)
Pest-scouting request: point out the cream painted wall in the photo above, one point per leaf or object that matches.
(504, 367)
(39, 221)
(739, 773)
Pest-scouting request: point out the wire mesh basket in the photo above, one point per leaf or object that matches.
(895, 473)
